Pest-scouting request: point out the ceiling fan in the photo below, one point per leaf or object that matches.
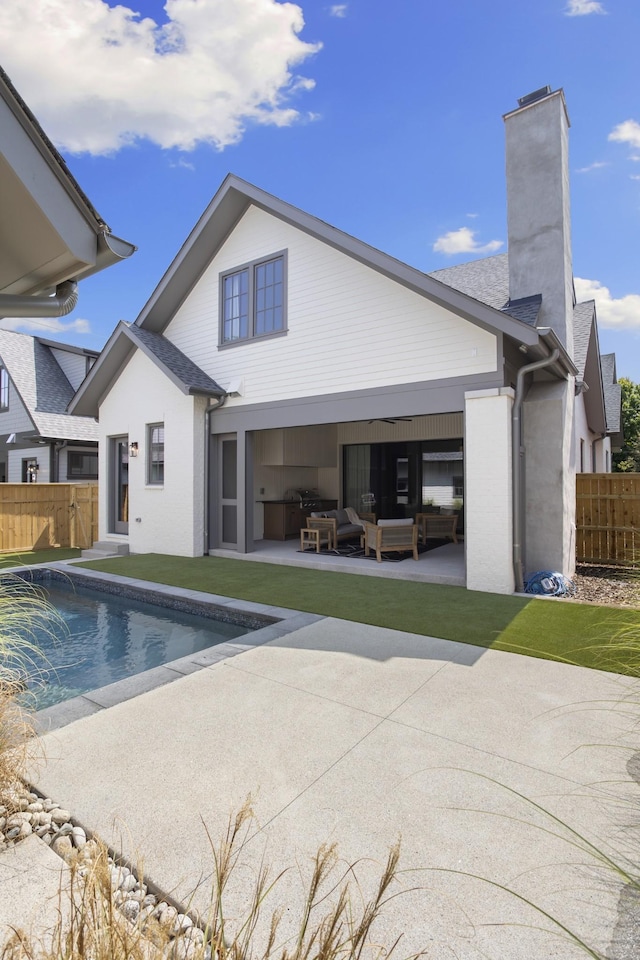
(392, 420)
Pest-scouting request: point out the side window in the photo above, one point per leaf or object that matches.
(253, 300)
(155, 453)
(82, 464)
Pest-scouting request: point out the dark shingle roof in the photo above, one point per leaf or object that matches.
(488, 281)
(43, 387)
(612, 393)
(485, 280)
(583, 320)
(190, 376)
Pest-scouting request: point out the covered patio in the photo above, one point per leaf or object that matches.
(444, 564)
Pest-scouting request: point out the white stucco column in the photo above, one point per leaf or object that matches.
(488, 519)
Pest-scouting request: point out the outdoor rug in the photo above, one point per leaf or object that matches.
(356, 552)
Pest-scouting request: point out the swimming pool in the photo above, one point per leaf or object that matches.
(111, 632)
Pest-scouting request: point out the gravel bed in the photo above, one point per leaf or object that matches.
(607, 585)
(25, 813)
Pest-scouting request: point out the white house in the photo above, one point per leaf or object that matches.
(278, 353)
(51, 237)
(39, 441)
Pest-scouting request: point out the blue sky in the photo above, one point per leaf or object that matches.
(383, 119)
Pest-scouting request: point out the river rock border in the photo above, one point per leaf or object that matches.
(27, 812)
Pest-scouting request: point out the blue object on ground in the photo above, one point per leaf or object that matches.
(550, 584)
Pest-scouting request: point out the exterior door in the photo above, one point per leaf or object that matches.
(228, 486)
(120, 484)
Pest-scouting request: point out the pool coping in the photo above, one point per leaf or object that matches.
(283, 622)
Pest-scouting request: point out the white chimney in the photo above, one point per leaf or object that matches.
(538, 209)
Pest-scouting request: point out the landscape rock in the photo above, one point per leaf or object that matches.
(60, 816)
(63, 847)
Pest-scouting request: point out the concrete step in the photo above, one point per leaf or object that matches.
(106, 548)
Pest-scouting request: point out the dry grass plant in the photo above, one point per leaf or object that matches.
(25, 613)
(333, 924)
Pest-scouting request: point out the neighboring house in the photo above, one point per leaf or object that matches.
(51, 237)
(278, 353)
(39, 441)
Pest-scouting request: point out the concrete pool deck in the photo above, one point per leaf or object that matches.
(356, 734)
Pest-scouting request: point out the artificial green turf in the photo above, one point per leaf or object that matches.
(37, 556)
(579, 633)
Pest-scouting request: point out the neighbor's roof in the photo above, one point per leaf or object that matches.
(612, 394)
(584, 317)
(43, 387)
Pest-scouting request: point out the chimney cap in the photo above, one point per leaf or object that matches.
(532, 97)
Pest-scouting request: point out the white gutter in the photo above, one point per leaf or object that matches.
(59, 305)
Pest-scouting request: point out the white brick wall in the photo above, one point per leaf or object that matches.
(349, 327)
(488, 494)
(170, 515)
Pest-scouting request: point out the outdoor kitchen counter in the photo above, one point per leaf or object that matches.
(284, 518)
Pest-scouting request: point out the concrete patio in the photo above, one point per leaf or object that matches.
(354, 734)
(444, 564)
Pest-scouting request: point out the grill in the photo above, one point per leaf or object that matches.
(309, 499)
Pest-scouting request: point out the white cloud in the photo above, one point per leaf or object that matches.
(622, 313)
(463, 241)
(338, 10)
(44, 325)
(597, 165)
(581, 8)
(627, 132)
(182, 164)
(99, 77)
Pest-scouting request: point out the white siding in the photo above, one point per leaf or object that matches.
(170, 516)
(592, 444)
(488, 494)
(74, 365)
(349, 327)
(41, 454)
(16, 418)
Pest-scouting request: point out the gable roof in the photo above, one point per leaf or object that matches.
(186, 375)
(43, 387)
(225, 210)
(228, 206)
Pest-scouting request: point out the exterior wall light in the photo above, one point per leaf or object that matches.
(133, 449)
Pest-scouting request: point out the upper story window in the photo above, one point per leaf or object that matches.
(155, 458)
(4, 389)
(253, 300)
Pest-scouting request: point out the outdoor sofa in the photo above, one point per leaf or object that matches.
(343, 524)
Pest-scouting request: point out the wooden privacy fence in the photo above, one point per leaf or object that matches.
(36, 516)
(608, 518)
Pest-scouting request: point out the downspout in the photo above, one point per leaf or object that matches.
(59, 305)
(207, 454)
(518, 458)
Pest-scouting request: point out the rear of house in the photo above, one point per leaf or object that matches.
(281, 361)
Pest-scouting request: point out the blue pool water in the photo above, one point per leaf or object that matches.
(109, 637)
